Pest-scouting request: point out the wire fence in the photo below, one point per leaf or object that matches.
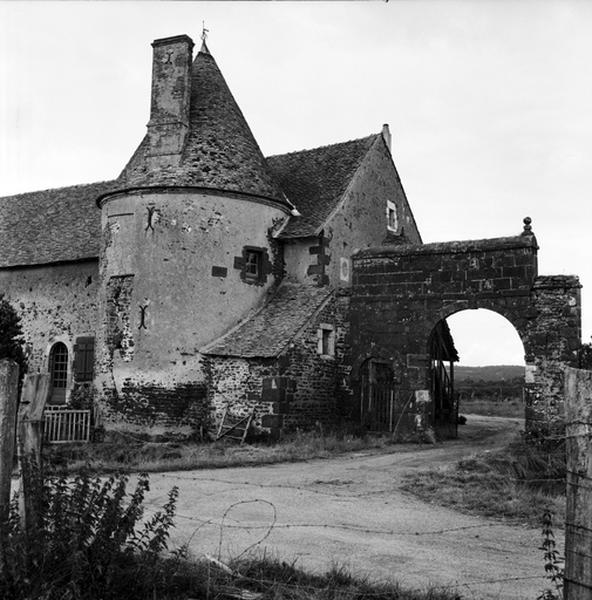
(228, 523)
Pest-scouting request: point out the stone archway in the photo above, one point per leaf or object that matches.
(400, 293)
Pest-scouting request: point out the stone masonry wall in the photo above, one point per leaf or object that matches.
(399, 294)
(300, 388)
(56, 303)
(553, 339)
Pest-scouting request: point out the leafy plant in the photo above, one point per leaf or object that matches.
(88, 540)
(553, 561)
(82, 396)
(11, 335)
(584, 358)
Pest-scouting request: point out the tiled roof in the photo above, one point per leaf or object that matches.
(315, 180)
(220, 150)
(56, 225)
(268, 332)
(63, 224)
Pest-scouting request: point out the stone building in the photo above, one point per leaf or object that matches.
(208, 277)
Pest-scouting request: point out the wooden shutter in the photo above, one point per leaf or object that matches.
(84, 358)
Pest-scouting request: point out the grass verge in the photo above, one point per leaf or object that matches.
(516, 483)
(132, 455)
(278, 580)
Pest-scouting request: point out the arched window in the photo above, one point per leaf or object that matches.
(58, 369)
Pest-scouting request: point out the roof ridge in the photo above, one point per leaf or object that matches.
(324, 147)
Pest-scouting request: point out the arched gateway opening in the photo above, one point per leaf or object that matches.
(476, 367)
(401, 293)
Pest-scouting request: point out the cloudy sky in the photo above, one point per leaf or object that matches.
(489, 104)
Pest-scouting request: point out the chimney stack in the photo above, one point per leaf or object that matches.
(169, 106)
(386, 134)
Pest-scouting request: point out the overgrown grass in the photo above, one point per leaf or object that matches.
(490, 408)
(517, 483)
(278, 580)
(131, 455)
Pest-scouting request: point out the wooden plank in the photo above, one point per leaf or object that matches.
(578, 519)
(8, 408)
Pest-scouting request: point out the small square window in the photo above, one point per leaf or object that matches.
(326, 340)
(253, 263)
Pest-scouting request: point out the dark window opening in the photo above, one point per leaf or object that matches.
(326, 341)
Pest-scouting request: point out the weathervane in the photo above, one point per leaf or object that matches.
(204, 31)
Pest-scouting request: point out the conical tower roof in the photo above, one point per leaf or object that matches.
(220, 151)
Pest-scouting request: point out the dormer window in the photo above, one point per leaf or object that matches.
(392, 221)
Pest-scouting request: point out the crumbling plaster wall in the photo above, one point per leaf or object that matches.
(56, 302)
(359, 222)
(178, 257)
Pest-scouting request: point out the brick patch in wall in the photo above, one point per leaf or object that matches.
(152, 404)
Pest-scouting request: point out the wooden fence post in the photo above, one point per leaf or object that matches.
(8, 402)
(578, 519)
(30, 437)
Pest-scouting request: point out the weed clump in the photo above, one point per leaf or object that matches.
(86, 539)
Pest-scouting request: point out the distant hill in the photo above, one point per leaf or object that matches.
(493, 382)
(490, 373)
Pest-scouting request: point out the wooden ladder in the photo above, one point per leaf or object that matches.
(234, 428)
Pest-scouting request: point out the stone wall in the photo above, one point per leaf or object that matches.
(400, 294)
(552, 340)
(299, 388)
(55, 303)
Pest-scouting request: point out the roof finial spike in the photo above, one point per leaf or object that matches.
(527, 226)
(204, 35)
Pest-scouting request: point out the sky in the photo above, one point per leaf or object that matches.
(489, 104)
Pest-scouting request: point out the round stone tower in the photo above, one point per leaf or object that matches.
(187, 246)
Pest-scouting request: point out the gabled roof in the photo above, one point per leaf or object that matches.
(220, 151)
(62, 224)
(315, 181)
(268, 332)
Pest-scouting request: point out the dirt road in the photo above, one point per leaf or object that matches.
(349, 511)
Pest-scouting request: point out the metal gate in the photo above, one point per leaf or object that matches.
(377, 401)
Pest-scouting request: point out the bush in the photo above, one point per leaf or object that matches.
(89, 541)
(11, 336)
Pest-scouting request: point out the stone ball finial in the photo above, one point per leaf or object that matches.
(527, 227)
